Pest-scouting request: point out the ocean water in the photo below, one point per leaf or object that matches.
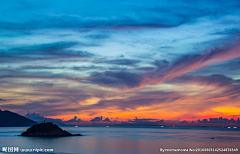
(124, 140)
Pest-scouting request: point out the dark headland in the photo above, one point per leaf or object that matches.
(11, 119)
(46, 130)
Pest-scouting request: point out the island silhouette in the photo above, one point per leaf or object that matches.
(46, 130)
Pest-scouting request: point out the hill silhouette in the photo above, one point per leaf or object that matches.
(11, 119)
(46, 130)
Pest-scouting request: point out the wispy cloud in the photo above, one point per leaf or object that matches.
(165, 70)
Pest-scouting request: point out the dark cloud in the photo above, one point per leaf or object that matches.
(43, 84)
(96, 119)
(98, 36)
(43, 52)
(75, 119)
(82, 68)
(146, 68)
(100, 119)
(232, 31)
(115, 79)
(216, 79)
(74, 22)
(107, 120)
(161, 64)
(40, 119)
(119, 61)
(142, 120)
(221, 120)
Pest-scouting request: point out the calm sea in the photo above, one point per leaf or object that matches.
(124, 140)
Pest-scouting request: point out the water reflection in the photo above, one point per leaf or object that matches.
(123, 140)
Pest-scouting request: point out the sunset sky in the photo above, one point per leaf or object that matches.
(171, 60)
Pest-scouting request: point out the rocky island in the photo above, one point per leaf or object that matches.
(46, 130)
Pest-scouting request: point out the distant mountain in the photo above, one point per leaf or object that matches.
(10, 119)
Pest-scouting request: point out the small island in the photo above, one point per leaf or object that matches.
(46, 130)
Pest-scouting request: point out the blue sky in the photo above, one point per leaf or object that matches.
(65, 58)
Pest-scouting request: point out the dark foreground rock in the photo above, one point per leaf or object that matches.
(46, 130)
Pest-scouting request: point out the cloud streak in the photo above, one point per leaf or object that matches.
(187, 64)
(165, 71)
